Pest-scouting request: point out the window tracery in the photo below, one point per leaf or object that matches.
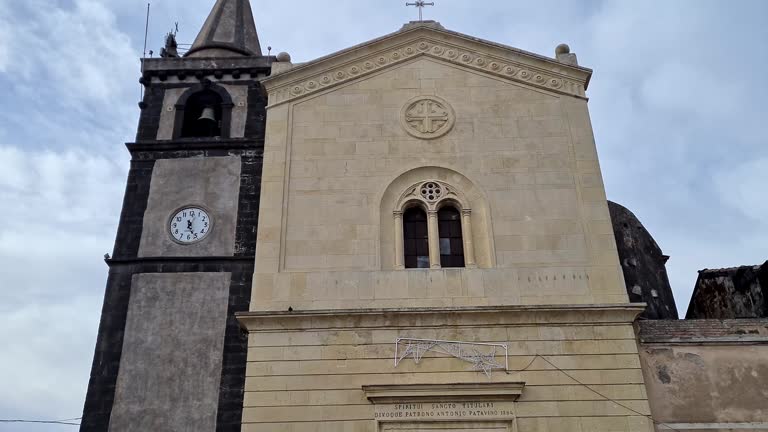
(434, 214)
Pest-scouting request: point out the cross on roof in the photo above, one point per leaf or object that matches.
(420, 4)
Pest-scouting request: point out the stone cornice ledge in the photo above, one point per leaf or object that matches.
(405, 393)
(574, 314)
(706, 340)
(474, 54)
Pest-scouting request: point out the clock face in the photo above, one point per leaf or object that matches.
(190, 225)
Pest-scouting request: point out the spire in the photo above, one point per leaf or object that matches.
(229, 31)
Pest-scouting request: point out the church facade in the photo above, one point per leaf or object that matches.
(424, 193)
(411, 234)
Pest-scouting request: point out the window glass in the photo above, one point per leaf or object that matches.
(416, 243)
(451, 241)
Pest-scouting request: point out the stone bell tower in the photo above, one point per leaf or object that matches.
(170, 355)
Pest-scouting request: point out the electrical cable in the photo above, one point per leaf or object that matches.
(668, 427)
(67, 422)
(533, 359)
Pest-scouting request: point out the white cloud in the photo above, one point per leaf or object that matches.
(62, 174)
(79, 50)
(59, 219)
(43, 367)
(51, 188)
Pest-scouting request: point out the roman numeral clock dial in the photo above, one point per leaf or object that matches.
(190, 225)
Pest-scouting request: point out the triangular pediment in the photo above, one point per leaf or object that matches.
(291, 82)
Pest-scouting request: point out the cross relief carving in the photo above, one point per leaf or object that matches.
(427, 117)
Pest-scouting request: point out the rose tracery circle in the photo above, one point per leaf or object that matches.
(431, 191)
(427, 117)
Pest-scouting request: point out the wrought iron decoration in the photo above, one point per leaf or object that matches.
(482, 356)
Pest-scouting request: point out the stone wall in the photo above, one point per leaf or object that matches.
(172, 353)
(306, 371)
(237, 261)
(330, 158)
(738, 292)
(518, 157)
(643, 264)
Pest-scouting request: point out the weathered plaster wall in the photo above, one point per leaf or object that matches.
(706, 374)
(168, 114)
(239, 95)
(171, 364)
(213, 183)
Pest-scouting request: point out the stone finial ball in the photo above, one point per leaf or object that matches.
(284, 57)
(562, 49)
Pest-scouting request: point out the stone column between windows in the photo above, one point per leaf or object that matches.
(434, 239)
(466, 234)
(399, 248)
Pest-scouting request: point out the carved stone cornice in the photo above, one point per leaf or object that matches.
(404, 393)
(575, 314)
(515, 66)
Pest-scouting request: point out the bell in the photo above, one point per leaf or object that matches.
(208, 114)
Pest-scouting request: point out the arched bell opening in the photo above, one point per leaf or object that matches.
(203, 111)
(202, 115)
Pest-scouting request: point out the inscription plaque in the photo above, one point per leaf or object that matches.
(453, 410)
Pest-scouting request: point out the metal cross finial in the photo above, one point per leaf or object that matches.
(420, 4)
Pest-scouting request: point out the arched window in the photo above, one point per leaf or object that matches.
(447, 199)
(202, 115)
(451, 240)
(433, 228)
(415, 238)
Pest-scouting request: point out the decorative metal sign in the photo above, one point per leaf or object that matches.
(482, 356)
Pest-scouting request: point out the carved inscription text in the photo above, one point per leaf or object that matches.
(445, 411)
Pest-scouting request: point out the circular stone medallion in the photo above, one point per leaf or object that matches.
(427, 117)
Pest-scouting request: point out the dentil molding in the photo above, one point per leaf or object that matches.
(476, 60)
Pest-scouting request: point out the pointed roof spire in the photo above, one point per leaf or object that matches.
(229, 31)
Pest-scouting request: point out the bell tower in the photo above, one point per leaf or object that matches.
(170, 354)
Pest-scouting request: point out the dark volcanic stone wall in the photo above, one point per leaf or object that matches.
(125, 263)
(643, 264)
(740, 292)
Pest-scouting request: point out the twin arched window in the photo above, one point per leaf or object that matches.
(433, 228)
(416, 238)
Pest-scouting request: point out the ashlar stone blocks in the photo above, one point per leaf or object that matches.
(508, 133)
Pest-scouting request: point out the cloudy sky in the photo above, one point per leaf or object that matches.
(678, 101)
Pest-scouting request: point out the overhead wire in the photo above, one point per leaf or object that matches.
(533, 359)
(588, 387)
(67, 422)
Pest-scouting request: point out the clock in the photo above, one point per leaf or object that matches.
(190, 224)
